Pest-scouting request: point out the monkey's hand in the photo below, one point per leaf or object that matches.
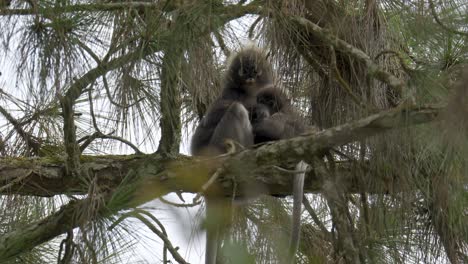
(270, 128)
(232, 146)
(258, 113)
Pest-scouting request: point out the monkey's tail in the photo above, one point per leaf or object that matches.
(212, 232)
(298, 192)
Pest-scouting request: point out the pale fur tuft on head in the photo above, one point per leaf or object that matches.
(248, 67)
(250, 47)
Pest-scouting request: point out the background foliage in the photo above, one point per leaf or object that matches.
(120, 77)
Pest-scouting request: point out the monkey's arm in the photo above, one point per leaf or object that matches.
(271, 128)
(278, 126)
(225, 120)
(215, 113)
(258, 113)
(202, 136)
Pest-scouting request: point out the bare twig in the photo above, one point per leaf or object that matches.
(161, 234)
(111, 100)
(68, 246)
(222, 45)
(253, 26)
(91, 111)
(25, 174)
(88, 139)
(314, 216)
(343, 83)
(31, 142)
(400, 59)
(207, 184)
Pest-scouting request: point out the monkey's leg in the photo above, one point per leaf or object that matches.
(271, 128)
(218, 221)
(298, 192)
(235, 125)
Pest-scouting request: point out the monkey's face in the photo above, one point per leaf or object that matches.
(271, 100)
(251, 73)
(260, 112)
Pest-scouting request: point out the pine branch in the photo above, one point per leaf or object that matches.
(28, 237)
(75, 90)
(46, 177)
(441, 24)
(373, 69)
(93, 7)
(166, 6)
(158, 175)
(31, 142)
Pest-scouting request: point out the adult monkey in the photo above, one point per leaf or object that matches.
(228, 118)
(274, 118)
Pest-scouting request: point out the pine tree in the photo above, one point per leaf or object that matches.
(98, 100)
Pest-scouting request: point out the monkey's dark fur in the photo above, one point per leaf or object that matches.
(248, 111)
(274, 118)
(228, 117)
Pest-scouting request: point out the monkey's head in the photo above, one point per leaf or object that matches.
(259, 112)
(249, 71)
(273, 98)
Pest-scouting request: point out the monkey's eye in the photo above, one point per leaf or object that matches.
(243, 72)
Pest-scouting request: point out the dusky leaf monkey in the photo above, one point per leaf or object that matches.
(228, 118)
(274, 118)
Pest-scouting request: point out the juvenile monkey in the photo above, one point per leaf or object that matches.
(228, 118)
(274, 118)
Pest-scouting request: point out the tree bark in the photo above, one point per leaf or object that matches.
(47, 176)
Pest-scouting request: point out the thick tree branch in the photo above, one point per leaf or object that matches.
(76, 89)
(166, 6)
(170, 102)
(373, 69)
(93, 7)
(45, 177)
(156, 175)
(26, 238)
